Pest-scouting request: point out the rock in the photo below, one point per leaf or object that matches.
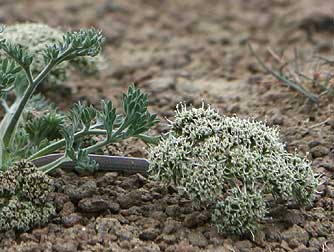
(197, 239)
(328, 166)
(243, 246)
(142, 180)
(195, 219)
(84, 191)
(107, 179)
(93, 205)
(149, 234)
(59, 200)
(188, 209)
(114, 207)
(71, 220)
(131, 182)
(107, 225)
(294, 217)
(169, 239)
(317, 228)
(172, 210)
(135, 210)
(314, 143)
(61, 245)
(273, 233)
(295, 234)
(124, 234)
(159, 215)
(68, 208)
(319, 151)
(170, 227)
(294, 243)
(133, 198)
(125, 245)
(40, 233)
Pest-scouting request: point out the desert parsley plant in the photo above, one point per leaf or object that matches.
(34, 37)
(32, 128)
(229, 165)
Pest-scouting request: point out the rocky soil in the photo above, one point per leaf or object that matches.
(191, 51)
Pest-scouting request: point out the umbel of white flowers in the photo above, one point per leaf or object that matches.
(229, 164)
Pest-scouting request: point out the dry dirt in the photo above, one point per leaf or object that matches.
(192, 51)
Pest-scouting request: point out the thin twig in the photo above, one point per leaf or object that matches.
(284, 80)
(319, 124)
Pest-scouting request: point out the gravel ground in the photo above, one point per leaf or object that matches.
(188, 51)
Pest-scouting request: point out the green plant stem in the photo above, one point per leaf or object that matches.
(97, 146)
(8, 89)
(11, 119)
(61, 143)
(53, 165)
(114, 138)
(9, 123)
(4, 105)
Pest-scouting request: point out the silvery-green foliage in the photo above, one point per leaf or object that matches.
(210, 156)
(24, 192)
(35, 38)
(29, 138)
(31, 128)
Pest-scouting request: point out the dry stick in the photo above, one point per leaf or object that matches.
(284, 80)
(319, 124)
(295, 60)
(283, 64)
(105, 162)
(275, 56)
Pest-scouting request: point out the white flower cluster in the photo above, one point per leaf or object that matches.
(229, 164)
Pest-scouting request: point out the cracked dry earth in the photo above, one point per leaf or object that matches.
(190, 51)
